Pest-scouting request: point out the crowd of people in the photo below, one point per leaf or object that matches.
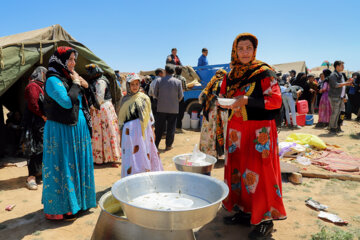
(71, 124)
(332, 95)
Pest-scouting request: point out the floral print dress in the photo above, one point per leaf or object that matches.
(208, 132)
(106, 134)
(252, 167)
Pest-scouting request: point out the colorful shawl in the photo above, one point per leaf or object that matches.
(245, 74)
(211, 91)
(241, 72)
(134, 103)
(210, 94)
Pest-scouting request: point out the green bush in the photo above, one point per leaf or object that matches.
(334, 234)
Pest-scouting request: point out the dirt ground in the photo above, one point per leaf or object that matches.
(26, 220)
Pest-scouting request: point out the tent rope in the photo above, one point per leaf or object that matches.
(22, 51)
(41, 53)
(2, 65)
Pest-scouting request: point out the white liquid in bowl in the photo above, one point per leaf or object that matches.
(168, 201)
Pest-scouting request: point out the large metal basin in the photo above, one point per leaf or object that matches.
(113, 224)
(181, 166)
(207, 188)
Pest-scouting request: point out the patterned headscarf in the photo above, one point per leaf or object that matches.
(211, 91)
(39, 74)
(93, 71)
(134, 103)
(210, 94)
(240, 71)
(58, 61)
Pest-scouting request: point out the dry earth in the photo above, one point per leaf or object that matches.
(26, 220)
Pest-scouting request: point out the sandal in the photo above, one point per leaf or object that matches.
(262, 231)
(31, 185)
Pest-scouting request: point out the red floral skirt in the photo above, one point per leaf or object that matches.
(252, 170)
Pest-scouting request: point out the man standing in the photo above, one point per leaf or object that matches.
(159, 73)
(173, 58)
(202, 61)
(178, 71)
(168, 92)
(292, 76)
(336, 95)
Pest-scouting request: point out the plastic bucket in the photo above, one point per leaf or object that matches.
(194, 123)
(186, 121)
(309, 119)
(194, 114)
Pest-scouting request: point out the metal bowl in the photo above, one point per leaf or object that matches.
(180, 164)
(209, 189)
(113, 224)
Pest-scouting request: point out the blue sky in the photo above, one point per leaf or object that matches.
(138, 35)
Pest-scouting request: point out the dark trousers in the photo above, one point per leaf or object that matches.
(180, 114)
(168, 120)
(35, 165)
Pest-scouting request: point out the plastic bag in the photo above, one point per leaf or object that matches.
(304, 138)
(303, 160)
(289, 149)
(197, 156)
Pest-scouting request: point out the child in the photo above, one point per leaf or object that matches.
(139, 153)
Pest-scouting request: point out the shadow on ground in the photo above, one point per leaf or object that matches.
(216, 229)
(30, 224)
(13, 183)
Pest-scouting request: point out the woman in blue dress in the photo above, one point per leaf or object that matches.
(68, 171)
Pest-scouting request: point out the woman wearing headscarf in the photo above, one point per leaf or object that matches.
(105, 129)
(212, 128)
(139, 153)
(301, 81)
(68, 168)
(324, 105)
(35, 121)
(252, 168)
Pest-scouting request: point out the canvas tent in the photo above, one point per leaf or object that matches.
(286, 67)
(21, 53)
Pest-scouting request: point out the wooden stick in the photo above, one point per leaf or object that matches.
(330, 176)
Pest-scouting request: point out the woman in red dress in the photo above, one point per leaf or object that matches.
(252, 168)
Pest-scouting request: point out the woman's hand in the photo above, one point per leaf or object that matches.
(75, 77)
(240, 102)
(83, 82)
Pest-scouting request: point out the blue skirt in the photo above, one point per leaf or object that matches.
(68, 170)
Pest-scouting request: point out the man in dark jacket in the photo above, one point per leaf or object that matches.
(173, 58)
(168, 92)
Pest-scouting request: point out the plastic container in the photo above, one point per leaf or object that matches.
(309, 119)
(194, 115)
(194, 123)
(300, 119)
(302, 107)
(186, 121)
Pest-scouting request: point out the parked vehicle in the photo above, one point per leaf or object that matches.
(205, 74)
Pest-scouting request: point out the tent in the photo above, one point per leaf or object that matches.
(21, 53)
(286, 67)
